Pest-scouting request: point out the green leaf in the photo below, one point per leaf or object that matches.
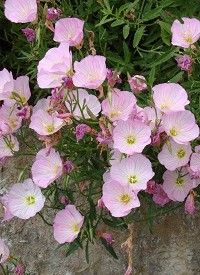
(109, 248)
(151, 14)
(138, 36)
(152, 76)
(127, 54)
(177, 77)
(165, 32)
(73, 247)
(117, 23)
(104, 21)
(163, 58)
(126, 30)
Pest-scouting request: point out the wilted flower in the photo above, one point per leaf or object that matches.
(68, 166)
(7, 214)
(113, 77)
(30, 34)
(67, 224)
(19, 269)
(137, 83)
(81, 130)
(21, 11)
(159, 195)
(190, 204)
(184, 62)
(108, 237)
(53, 14)
(69, 30)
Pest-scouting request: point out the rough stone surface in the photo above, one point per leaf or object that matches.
(172, 249)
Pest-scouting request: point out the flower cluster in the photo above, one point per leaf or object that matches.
(86, 100)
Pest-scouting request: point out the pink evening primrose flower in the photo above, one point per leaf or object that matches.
(43, 104)
(25, 199)
(119, 106)
(174, 155)
(195, 163)
(8, 145)
(90, 72)
(7, 214)
(185, 34)
(170, 97)
(180, 126)
(134, 171)
(47, 167)
(4, 252)
(45, 124)
(153, 116)
(131, 136)
(67, 224)
(137, 83)
(10, 122)
(56, 65)
(6, 83)
(21, 11)
(80, 104)
(119, 199)
(177, 185)
(69, 30)
(21, 92)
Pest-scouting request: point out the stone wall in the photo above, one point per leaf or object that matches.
(172, 249)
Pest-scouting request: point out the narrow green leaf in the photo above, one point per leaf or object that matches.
(151, 14)
(151, 76)
(109, 248)
(104, 21)
(177, 77)
(163, 58)
(117, 23)
(72, 247)
(126, 30)
(138, 36)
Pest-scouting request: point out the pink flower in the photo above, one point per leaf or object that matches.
(90, 72)
(131, 136)
(137, 83)
(7, 214)
(190, 204)
(8, 145)
(174, 155)
(177, 184)
(181, 126)
(82, 105)
(67, 224)
(30, 34)
(195, 163)
(185, 34)
(4, 252)
(44, 104)
(170, 97)
(21, 11)
(47, 167)
(159, 195)
(108, 237)
(116, 157)
(184, 62)
(69, 30)
(153, 116)
(25, 199)
(6, 83)
(10, 122)
(113, 77)
(45, 124)
(119, 106)
(119, 199)
(51, 70)
(138, 114)
(134, 171)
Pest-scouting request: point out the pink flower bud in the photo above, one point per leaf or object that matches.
(137, 83)
(29, 34)
(68, 166)
(190, 204)
(64, 200)
(100, 204)
(53, 14)
(19, 270)
(108, 237)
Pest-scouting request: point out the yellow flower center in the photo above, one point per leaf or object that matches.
(189, 39)
(179, 181)
(163, 106)
(114, 114)
(181, 153)
(125, 198)
(173, 132)
(130, 140)
(75, 228)
(50, 128)
(30, 200)
(132, 179)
